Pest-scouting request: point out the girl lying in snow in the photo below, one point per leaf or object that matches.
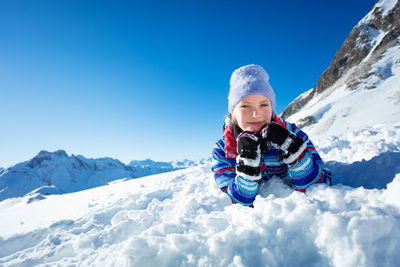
(258, 144)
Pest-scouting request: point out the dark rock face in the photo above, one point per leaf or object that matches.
(306, 121)
(37, 161)
(348, 56)
(296, 105)
(357, 46)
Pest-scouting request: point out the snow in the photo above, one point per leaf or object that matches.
(180, 218)
(359, 144)
(339, 110)
(304, 95)
(374, 36)
(148, 166)
(57, 173)
(373, 96)
(185, 226)
(386, 6)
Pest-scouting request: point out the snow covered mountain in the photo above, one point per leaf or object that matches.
(148, 166)
(361, 87)
(57, 173)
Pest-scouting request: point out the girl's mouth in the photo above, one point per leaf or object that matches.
(255, 123)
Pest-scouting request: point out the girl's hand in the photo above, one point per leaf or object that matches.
(289, 145)
(249, 158)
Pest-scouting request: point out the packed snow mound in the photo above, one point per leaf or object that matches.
(181, 219)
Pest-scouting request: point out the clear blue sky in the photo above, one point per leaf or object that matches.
(150, 79)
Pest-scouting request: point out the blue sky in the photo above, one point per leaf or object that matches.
(149, 79)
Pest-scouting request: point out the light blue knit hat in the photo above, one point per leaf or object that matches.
(249, 80)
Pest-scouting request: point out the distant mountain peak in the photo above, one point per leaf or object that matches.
(59, 152)
(56, 172)
(45, 155)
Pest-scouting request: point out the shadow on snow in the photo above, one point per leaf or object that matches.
(374, 173)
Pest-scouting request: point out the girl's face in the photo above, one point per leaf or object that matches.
(253, 112)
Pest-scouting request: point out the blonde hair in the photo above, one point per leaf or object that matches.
(233, 119)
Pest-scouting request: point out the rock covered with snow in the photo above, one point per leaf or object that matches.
(362, 79)
(57, 173)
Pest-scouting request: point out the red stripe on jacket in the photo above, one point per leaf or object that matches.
(226, 169)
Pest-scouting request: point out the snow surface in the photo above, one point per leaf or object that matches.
(149, 167)
(339, 110)
(180, 218)
(374, 96)
(386, 6)
(359, 144)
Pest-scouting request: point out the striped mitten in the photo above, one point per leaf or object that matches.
(249, 158)
(289, 145)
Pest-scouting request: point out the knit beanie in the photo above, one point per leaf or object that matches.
(249, 80)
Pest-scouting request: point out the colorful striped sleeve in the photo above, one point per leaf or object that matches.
(239, 189)
(223, 168)
(309, 168)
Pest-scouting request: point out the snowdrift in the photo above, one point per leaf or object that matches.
(181, 219)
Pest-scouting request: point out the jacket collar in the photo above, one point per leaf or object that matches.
(232, 130)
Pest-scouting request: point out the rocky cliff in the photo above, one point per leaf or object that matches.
(352, 65)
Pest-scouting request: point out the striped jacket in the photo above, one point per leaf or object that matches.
(307, 170)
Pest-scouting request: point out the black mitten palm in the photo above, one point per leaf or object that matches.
(289, 145)
(249, 158)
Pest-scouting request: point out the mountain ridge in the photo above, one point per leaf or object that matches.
(353, 64)
(57, 173)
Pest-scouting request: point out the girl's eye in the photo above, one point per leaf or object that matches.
(264, 105)
(244, 106)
